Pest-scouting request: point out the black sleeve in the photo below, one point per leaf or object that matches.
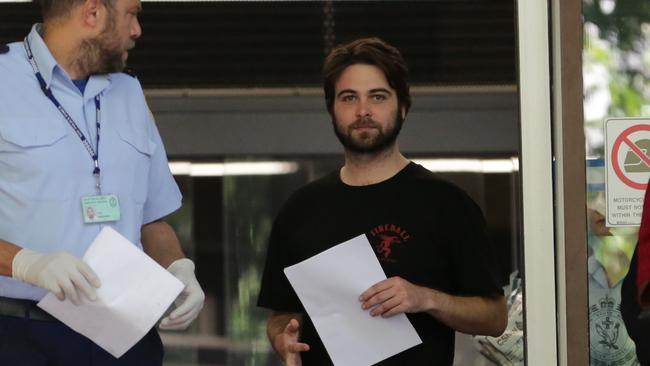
(476, 270)
(276, 292)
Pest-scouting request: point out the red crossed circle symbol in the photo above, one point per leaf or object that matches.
(624, 138)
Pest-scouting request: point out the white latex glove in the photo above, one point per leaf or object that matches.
(190, 302)
(62, 273)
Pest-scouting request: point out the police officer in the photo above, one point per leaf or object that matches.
(76, 137)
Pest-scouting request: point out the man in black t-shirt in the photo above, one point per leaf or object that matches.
(428, 235)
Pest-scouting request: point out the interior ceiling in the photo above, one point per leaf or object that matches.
(282, 43)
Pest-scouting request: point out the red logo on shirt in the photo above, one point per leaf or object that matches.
(385, 236)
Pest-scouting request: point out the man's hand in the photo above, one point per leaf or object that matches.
(395, 295)
(190, 302)
(484, 315)
(61, 273)
(287, 345)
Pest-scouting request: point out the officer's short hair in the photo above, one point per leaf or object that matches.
(51, 9)
(370, 51)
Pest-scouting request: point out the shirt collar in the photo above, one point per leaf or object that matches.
(97, 84)
(597, 272)
(47, 64)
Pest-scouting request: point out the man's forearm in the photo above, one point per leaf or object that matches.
(7, 253)
(470, 315)
(160, 242)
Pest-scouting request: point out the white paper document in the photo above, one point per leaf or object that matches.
(134, 294)
(329, 285)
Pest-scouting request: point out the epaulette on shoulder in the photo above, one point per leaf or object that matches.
(130, 72)
(4, 49)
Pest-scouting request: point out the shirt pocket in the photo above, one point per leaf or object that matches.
(19, 134)
(133, 161)
(137, 139)
(34, 159)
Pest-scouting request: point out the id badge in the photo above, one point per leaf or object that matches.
(101, 208)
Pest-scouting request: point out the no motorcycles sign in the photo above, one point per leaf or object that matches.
(627, 152)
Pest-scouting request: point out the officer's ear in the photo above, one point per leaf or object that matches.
(93, 14)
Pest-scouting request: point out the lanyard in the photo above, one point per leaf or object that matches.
(94, 153)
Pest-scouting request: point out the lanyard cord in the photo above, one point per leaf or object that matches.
(94, 153)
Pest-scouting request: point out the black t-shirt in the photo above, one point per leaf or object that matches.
(422, 229)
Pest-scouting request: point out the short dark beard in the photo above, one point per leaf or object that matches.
(383, 141)
(101, 55)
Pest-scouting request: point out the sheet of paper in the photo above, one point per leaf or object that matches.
(134, 294)
(329, 285)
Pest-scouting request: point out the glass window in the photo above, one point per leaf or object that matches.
(616, 57)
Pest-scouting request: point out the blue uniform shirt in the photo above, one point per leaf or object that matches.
(45, 169)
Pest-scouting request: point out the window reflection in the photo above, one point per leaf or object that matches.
(616, 60)
(610, 251)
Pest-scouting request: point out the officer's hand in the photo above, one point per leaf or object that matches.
(287, 345)
(190, 302)
(62, 273)
(395, 295)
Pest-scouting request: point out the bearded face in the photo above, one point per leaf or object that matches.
(366, 114)
(367, 136)
(108, 52)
